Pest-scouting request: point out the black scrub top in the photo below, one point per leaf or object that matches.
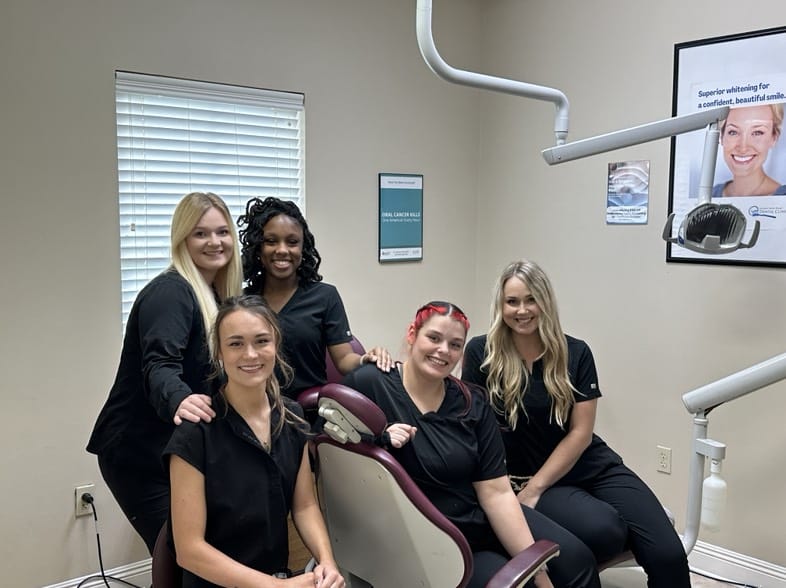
(164, 359)
(311, 320)
(537, 434)
(455, 446)
(248, 491)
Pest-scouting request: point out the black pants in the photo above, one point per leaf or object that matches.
(138, 482)
(575, 567)
(616, 511)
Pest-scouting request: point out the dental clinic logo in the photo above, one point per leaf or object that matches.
(765, 211)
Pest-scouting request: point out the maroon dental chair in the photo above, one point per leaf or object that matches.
(308, 398)
(384, 532)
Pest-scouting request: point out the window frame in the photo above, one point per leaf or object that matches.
(166, 132)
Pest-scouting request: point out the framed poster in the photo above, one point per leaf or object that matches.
(400, 217)
(628, 193)
(746, 72)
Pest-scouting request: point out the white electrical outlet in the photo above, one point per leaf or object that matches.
(82, 508)
(664, 459)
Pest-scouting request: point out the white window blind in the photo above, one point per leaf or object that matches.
(179, 136)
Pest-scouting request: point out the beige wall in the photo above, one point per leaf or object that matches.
(372, 106)
(657, 330)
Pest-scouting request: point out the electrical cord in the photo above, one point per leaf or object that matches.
(87, 498)
(723, 580)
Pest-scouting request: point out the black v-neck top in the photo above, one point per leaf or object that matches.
(454, 446)
(248, 491)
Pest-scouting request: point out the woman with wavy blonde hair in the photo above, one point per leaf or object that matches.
(543, 385)
(165, 364)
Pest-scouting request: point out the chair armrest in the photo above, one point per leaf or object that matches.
(309, 398)
(524, 565)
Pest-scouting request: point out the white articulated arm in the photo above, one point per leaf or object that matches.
(477, 80)
(699, 403)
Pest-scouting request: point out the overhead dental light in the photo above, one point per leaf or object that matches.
(707, 228)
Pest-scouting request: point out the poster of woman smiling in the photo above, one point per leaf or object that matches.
(747, 73)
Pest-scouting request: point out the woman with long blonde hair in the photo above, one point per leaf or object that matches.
(543, 386)
(164, 368)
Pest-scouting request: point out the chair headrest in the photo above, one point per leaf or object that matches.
(349, 414)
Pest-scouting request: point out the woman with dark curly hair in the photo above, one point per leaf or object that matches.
(281, 263)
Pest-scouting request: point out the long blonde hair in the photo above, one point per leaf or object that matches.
(228, 280)
(507, 380)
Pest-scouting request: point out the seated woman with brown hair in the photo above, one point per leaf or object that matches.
(236, 479)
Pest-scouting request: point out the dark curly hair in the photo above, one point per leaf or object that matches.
(250, 233)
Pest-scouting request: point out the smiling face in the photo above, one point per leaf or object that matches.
(437, 346)
(210, 244)
(247, 346)
(282, 248)
(748, 135)
(520, 312)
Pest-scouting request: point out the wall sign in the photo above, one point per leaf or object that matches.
(400, 217)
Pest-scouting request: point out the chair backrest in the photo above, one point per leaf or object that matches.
(308, 397)
(382, 527)
(165, 571)
(333, 375)
(378, 519)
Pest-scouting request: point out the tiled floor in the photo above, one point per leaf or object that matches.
(634, 578)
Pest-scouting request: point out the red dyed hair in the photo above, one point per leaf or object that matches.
(429, 309)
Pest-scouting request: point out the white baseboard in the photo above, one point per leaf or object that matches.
(137, 573)
(705, 557)
(729, 565)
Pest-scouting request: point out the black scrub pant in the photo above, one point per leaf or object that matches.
(138, 482)
(575, 567)
(616, 511)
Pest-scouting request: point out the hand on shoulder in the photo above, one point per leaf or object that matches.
(195, 408)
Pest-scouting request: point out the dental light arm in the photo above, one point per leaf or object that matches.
(700, 402)
(708, 228)
(636, 135)
(562, 152)
(477, 80)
